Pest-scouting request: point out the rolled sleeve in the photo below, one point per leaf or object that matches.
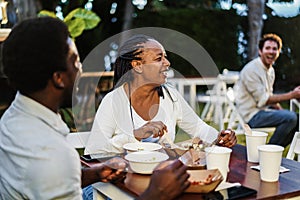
(263, 100)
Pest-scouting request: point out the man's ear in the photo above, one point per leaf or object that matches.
(57, 80)
(137, 66)
(259, 52)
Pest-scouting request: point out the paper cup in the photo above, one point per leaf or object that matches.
(218, 158)
(270, 161)
(254, 140)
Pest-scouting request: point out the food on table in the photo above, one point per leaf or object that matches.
(206, 181)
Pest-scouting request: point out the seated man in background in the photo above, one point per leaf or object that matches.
(41, 61)
(254, 94)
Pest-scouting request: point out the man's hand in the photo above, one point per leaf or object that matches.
(296, 93)
(112, 169)
(169, 179)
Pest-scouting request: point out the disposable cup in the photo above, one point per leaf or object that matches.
(254, 140)
(269, 161)
(218, 158)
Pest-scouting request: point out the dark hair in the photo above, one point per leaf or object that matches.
(33, 51)
(128, 52)
(272, 37)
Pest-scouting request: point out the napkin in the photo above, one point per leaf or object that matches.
(281, 170)
(225, 185)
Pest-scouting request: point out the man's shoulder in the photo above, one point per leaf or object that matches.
(16, 120)
(252, 64)
(251, 67)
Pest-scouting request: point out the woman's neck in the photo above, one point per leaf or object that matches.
(140, 91)
(144, 100)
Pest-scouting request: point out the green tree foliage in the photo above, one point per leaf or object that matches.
(77, 20)
(218, 37)
(215, 29)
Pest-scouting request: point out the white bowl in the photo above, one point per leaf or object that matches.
(143, 162)
(141, 146)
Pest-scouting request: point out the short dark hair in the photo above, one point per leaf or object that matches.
(129, 51)
(272, 37)
(33, 51)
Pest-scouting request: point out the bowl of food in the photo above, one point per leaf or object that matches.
(141, 146)
(143, 162)
(204, 181)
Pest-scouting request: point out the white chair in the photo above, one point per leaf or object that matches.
(294, 147)
(215, 99)
(78, 139)
(232, 116)
(235, 120)
(212, 99)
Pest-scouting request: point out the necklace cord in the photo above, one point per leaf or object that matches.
(160, 93)
(130, 105)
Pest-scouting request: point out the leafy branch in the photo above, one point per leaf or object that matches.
(77, 20)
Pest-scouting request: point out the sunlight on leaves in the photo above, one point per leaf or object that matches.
(90, 18)
(77, 20)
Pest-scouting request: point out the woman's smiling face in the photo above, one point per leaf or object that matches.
(154, 63)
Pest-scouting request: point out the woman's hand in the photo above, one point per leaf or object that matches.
(151, 128)
(169, 179)
(227, 138)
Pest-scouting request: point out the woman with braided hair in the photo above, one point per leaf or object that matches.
(142, 107)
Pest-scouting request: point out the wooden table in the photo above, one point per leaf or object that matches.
(288, 185)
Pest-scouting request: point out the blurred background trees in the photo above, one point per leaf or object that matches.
(228, 30)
